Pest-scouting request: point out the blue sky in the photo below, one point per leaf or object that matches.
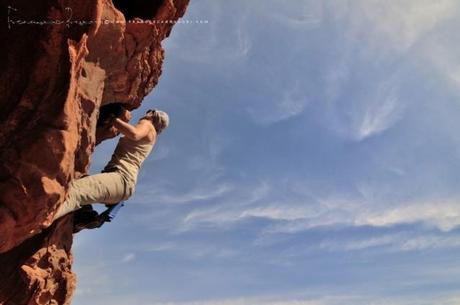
(313, 158)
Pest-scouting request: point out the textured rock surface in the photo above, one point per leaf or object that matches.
(53, 80)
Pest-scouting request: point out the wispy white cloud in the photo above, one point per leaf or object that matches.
(288, 215)
(235, 301)
(298, 15)
(208, 46)
(227, 211)
(441, 54)
(248, 301)
(293, 215)
(396, 242)
(430, 242)
(378, 118)
(191, 249)
(443, 214)
(293, 101)
(92, 278)
(160, 152)
(165, 197)
(198, 194)
(377, 34)
(401, 24)
(369, 110)
(455, 75)
(128, 257)
(359, 244)
(328, 299)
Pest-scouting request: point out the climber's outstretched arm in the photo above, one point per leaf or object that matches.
(137, 132)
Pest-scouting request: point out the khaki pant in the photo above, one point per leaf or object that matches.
(109, 188)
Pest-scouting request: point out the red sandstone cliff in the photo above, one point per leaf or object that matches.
(53, 80)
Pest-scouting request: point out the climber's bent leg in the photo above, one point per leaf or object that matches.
(109, 188)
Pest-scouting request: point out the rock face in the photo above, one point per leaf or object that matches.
(54, 77)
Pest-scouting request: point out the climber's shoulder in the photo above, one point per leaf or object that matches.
(146, 129)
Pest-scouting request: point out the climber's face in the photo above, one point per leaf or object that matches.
(158, 118)
(148, 116)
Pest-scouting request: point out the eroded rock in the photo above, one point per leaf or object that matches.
(53, 80)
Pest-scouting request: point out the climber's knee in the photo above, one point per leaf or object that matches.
(129, 190)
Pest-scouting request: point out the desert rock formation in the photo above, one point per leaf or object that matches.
(54, 78)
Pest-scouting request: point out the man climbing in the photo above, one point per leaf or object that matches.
(118, 179)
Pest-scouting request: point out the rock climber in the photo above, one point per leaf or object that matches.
(118, 179)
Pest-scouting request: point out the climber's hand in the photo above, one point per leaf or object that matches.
(126, 116)
(106, 132)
